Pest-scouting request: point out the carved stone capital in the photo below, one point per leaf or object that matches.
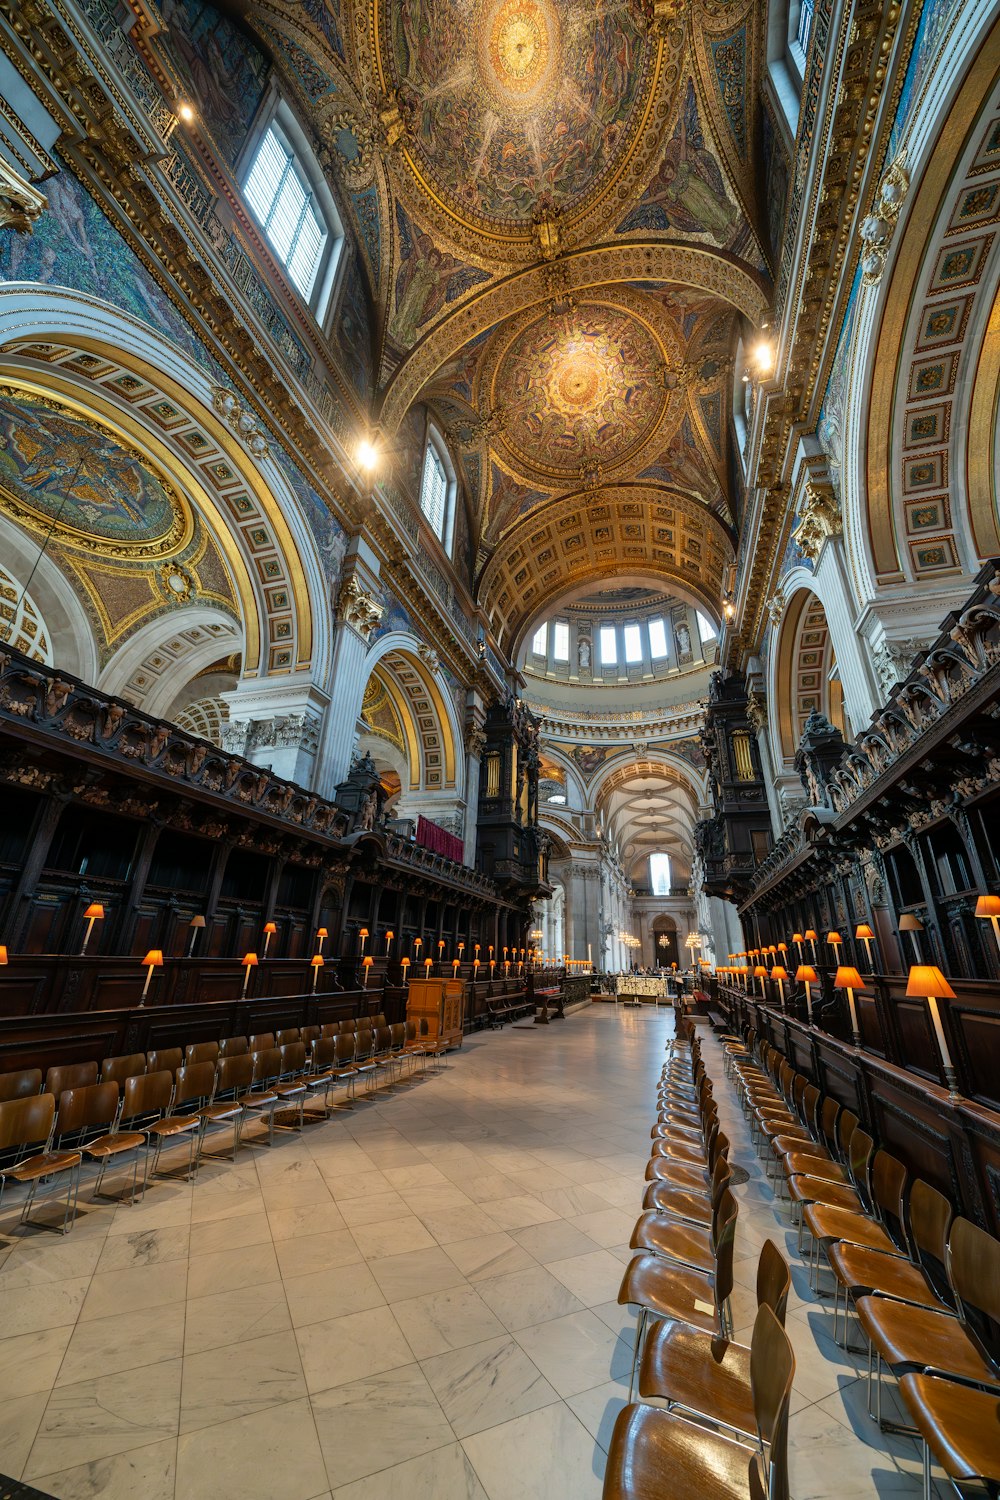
(819, 518)
(21, 204)
(357, 607)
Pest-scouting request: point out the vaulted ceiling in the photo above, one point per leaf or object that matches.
(560, 212)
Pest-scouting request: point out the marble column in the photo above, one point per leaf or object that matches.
(277, 724)
(357, 616)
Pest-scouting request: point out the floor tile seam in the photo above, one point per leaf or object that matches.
(38, 1479)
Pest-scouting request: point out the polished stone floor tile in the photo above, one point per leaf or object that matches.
(486, 1384)
(272, 1455)
(106, 1415)
(439, 1321)
(445, 1474)
(556, 1459)
(378, 1423)
(527, 1297)
(347, 1348)
(489, 1255)
(225, 1318)
(216, 1387)
(148, 1472)
(575, 1353)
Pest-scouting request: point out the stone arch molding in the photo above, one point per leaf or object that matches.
(915, 513)
(70, 632)
(691, 266)
(620, 766)
(124, 372)
(425, 708)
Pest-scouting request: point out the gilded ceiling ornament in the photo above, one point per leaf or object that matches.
(483, 429)
(21, 204)
(775, 609)
(877, 227)
(177, 582)
(241, 420)
(819, 518)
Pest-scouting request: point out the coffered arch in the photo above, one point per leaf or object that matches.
(108, 369)
(422, 708)
(633, 530)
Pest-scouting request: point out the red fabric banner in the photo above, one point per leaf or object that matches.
(433, 836)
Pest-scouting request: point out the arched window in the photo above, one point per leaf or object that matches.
(437, 488)
(659, 874)
(288, 196)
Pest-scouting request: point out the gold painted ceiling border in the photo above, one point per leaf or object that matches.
(578, 271)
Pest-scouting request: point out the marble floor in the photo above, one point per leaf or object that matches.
(412, 1301)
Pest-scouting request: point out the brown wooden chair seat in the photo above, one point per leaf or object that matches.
(666, 1289)
(691, 1152)
(654, 1455)
(660, 1455)
(687, 1244)
(693, 1132)
(27, 1122)
(909, 1338)
(807, 1189)
(687, 1174)
(165, 1060)
(145, 1098)
(885, 1233)
(691, 1205)
(960, 1427)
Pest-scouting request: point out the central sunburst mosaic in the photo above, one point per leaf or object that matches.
(579, 388)
(511, 101)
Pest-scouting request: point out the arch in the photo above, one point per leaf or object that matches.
(425, 710)
(153, 666)
(57, 340)
(805, 673)
(643, 530)
(693, 266)
(905, 372)
(70, 633)
(648, 804)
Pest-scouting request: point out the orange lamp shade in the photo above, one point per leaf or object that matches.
(198, 922)
(363, 932)
(95, 911)
(367, 961)
(153, 959)
(796, 937)
(271, 927)
(925, 981)
(849, 979)
(809, 936)
(3, 954)
(404, 963)
(834, 938)
(772, 949)
(988, 906)
(322, 932)
(778, 972)
(909, 923)
(317, 961)
(760, 972)
(806, 972)
(782, 947)
(863, 931)
(249, 960)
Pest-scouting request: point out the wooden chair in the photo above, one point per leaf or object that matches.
(25, 1122)
(705, 1374)
(234, 1046)
(655, 1454)
(20, 1085)
(922, 1280)
(689, 1244)
(884, 1229)
(262, 1041)
(663, 1289)
(119, 1069)
(960, 1427)
(922, 1340)
(165, 1059)
(224, 1111)
(69, 1076)
(689, 1174)
(145, 1098)
(692, 1205)
(286, 1037)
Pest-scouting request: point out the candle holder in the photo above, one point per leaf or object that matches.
(249, 962)
(316, 963)
(806, 974)
(927, 982)
(153, 960)
(270, 928)
(196, 924)
(850, 980)
(94, 913)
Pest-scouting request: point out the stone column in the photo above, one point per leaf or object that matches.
(358, 612)
(277, 724)
(475, 741)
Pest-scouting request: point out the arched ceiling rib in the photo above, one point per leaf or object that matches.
(558, 209)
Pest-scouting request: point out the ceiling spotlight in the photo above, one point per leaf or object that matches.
(367, 454)
(186, 113)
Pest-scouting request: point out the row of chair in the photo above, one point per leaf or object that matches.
(724, 1434)
(137, 1104)
(924, 1283)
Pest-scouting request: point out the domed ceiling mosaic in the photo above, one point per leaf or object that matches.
(563, 237)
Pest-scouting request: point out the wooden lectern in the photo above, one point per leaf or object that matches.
(438, 1008)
